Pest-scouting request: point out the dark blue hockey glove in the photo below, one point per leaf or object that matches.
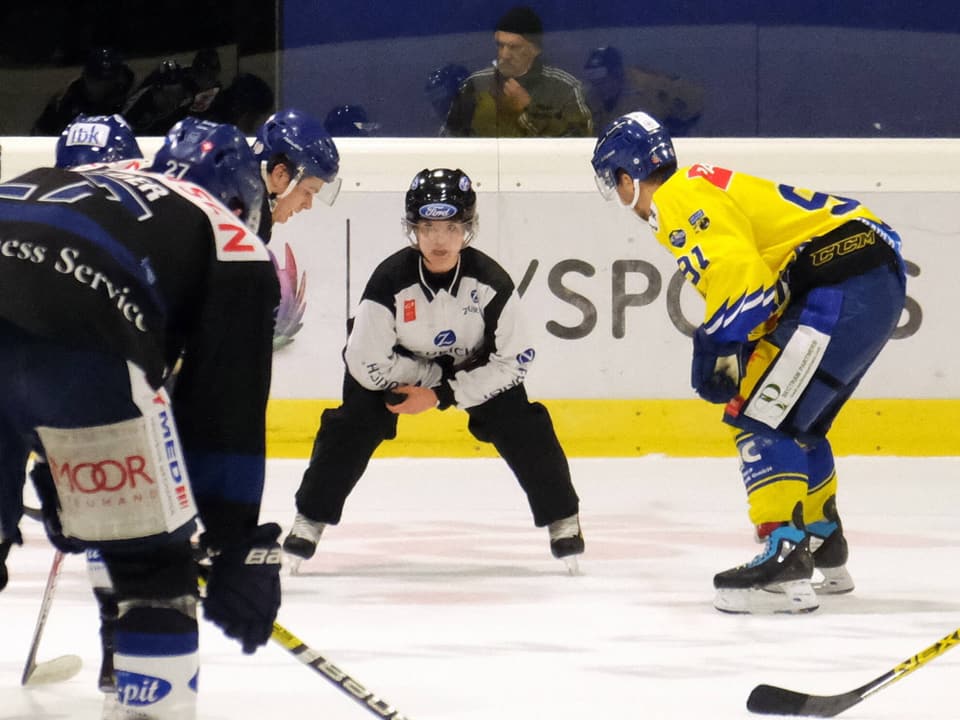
(716, 382)
(243, 588)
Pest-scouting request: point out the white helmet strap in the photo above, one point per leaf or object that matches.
(636, 197)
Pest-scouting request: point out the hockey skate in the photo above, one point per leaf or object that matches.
(778, 580)
(566, 541)
(302, 541)
(830, 553)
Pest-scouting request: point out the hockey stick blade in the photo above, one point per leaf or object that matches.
(772, 700)
(60, 668)
(57, 670)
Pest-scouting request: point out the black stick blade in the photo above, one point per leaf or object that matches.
(771, 700)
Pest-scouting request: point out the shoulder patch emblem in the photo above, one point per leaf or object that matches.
(678, 238)
(714, 175)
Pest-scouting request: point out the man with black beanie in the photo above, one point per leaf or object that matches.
(519, 96)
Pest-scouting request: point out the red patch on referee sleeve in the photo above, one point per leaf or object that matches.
(409, 310)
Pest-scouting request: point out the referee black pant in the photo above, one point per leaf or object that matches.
(521, 431)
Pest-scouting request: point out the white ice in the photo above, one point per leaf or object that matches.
(438, 594)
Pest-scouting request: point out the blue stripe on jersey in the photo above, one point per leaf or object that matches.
(236, 478)
(75, 223)
(156, 644)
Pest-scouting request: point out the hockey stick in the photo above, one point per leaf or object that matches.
(311, 658)
(771, 700)
(60, 668)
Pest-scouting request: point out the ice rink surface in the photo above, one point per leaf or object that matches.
(439, 595)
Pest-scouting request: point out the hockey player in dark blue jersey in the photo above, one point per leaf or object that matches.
(94, 139)
(438, 326)
(109, 280)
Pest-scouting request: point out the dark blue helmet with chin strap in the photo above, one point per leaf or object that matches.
(96, 139)
(304, 145)
(636, 143)
(217, 158)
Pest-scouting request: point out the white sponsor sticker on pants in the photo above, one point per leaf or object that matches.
(120, 481)
(780, 390)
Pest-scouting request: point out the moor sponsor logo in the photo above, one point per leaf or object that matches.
(107, 475)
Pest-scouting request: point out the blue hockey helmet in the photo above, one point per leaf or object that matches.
(636, 143)
(217, 158)
(96, 139)
(305, 146)
(349, 121)
(443, 84)
(603, 62)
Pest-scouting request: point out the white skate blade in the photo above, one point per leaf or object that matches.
(792, 597)
(53, 671)
(573, 565)
(834, 581)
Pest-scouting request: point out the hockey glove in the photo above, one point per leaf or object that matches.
(4, 551)
(243, 588)
(717, 368)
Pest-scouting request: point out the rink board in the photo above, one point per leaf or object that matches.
(629, 428)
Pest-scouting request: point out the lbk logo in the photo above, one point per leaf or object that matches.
(88, 134)
(138, 690)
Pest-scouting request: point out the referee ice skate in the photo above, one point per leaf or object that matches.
(438, 326)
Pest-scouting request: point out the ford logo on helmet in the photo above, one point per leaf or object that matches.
(438, 211)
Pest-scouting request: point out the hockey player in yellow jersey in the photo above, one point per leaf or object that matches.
(802, 291)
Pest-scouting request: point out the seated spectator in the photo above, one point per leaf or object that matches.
(101, 89)
(246, 103)
(520, 96)
(349, 121)
(613, 90)
(163, 99)
(204, 72)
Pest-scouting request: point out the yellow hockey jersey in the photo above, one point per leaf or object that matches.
(733, 235)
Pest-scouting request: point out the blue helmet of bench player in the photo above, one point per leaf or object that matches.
(96, 139)
(637, 144)
(349, 121)
(217, 158)
(442, 86)
(304, 146)
(441, 194)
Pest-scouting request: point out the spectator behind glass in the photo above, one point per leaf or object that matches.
(349, 121)
(163, 99)
(613, 90)
(101, 89)
(172, 92)
(246, 103)
(205, 74)
(519, 96)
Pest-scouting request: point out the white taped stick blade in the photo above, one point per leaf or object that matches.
(57, 670)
